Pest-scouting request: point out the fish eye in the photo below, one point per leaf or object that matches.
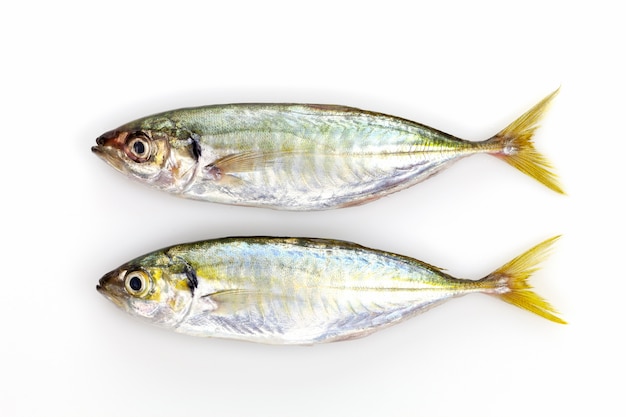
(137, 283)
(138, 147)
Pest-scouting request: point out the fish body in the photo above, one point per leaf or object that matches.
(300, 156)
(298, 290)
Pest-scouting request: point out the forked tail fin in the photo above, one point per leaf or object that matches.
(514, 145)
(510, 282)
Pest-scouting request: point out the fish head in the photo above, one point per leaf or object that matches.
(152, 151)
(154, 287)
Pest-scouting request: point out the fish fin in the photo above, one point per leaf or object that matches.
(240, 162)
(514, 145)
(235, 300)
(224, 295)
(509, 282)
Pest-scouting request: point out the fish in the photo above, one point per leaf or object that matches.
(302, 157)
(300, 291)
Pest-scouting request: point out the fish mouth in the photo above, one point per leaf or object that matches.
(110, 156)
(101, 285)
(99, 152)
(103, 153)
(110, 147)
(110, 289)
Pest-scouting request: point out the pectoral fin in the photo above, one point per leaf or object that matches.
(240, 162)
(231, 302)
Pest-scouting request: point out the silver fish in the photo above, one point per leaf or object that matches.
(299, 156)
(299, 291)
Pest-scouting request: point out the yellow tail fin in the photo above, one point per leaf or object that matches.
(509, 282)
(514, 145)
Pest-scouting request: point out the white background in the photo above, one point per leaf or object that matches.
(73, 70)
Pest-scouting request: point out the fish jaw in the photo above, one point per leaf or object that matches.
(111, 286)
(110, 156)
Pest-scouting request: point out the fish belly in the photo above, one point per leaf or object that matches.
(301, 321)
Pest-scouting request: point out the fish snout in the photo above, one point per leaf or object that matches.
(110, 147)
(110, 142)
(101, 283)
(111, 286)
(110, 282)
(104, 139)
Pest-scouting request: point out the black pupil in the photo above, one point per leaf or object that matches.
(135, 284)
(139, 147)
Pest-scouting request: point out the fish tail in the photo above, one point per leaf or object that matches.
(509, 282)
(514, 145)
